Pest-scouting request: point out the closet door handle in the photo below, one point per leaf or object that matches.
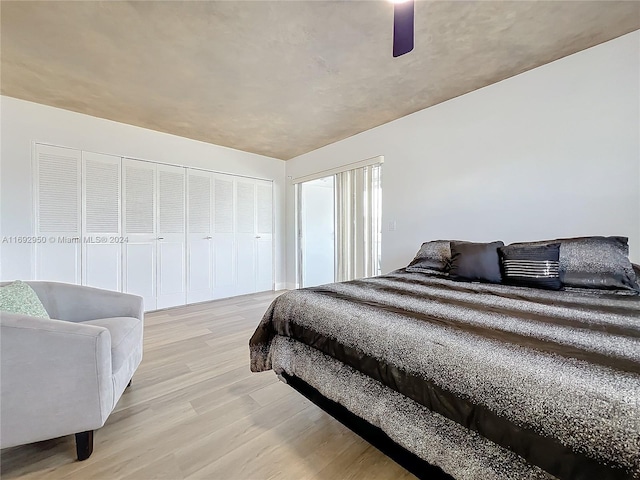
(160, 238)
(208, 238)
(258, 236)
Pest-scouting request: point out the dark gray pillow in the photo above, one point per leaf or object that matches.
(536, 266)
(432, 256)
(475, 262)
(595, 262)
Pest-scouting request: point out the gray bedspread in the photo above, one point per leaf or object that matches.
(552, 376)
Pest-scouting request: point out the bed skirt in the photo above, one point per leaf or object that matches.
(432, 438)
(370, 433)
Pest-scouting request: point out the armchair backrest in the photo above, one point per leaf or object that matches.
(76, 303)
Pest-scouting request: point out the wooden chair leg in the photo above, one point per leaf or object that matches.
(84, 444)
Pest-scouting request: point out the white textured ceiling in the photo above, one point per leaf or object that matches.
(280, 78)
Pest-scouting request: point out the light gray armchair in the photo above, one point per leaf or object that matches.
(65, 376)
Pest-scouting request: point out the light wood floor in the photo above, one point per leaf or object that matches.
(196, 411)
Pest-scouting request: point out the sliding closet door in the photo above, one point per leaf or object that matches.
(58, 214)
(246, 235)
(139, 228)
(101, 225)
(199, 236)
(264, 236)
(172, 289)
(224, 238)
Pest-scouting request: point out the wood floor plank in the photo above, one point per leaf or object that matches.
(195, 410)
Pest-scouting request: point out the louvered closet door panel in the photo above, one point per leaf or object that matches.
(264, 240)
(224, 248)
(246, 263)
(171, 236)
(139, 187)
(101, 231)
(264, 207)
(139, 197)
(200, 199)
(264, 263)
(223, 203)
(199, 236)
(171, 199)
(224, 265)
(245, 207)
(58, 213)
(246, 235)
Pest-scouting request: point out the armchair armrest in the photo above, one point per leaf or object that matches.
(75, 303)
(56, 378)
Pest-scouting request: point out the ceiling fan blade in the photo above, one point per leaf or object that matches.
(403, 27)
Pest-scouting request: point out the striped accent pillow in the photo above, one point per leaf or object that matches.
(531, 266)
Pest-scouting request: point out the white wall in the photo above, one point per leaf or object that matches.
(553, 152)
(23, 122)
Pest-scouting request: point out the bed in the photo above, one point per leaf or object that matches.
(483, 380)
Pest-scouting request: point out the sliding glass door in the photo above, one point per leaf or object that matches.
(339, 226)
(358, 223)
(316, 232)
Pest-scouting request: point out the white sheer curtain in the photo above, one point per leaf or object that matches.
(358, 228)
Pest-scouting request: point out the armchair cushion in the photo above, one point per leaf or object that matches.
(126, 337)
(18, 297)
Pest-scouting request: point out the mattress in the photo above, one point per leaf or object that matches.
(550, 377)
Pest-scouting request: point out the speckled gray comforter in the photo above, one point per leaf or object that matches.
(551, 376)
